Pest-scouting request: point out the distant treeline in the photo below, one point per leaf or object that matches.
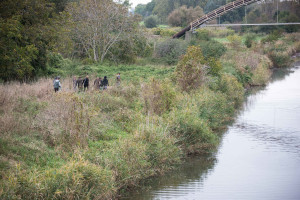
(264, 11)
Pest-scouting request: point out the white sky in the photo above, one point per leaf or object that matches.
(136, 2)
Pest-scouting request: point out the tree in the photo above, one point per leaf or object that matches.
(145, 10)
(27, 32)
(183, 15)
(98, 25)
(190, 71)
(164, 7)
(151, 21)
(140, 9)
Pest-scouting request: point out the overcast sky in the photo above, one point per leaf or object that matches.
(136, 2)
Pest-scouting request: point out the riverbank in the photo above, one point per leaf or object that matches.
(93, 145)
(258, 157)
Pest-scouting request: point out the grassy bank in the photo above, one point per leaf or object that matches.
(93, 145)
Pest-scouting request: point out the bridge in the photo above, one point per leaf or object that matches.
(201, 22)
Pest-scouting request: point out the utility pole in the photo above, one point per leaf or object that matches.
(277, 11)
(246, 14)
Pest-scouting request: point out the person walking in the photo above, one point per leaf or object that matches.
(97, 83)
(86, 83)
(105, 83)
(118, 80)
(75, 83)
(56, 84)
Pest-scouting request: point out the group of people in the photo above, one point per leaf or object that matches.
(84, 83)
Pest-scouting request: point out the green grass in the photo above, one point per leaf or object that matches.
(163, 26)
(222, 40)
(128, 72)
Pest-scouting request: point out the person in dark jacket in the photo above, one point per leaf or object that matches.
(86, 83)
(105, 83)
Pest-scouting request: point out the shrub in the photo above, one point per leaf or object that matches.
(157, 31)
(297, 46)
(261, 74)
(167, 32)
(170, 50)
(203, 34)
(191, 131)
(158, 97)
(214, 107)
(162, 150)
(123, 52)
(127, 159)
(279, 59)
(249, 40)
(77, 179)
(190, 71)
(244, 75)
(219, 32)
(230, 86)
(212, 49)
(214, 66)
(274, 36)
(151, 21)
(235, 40)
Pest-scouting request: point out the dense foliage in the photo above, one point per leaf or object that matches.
(184, 15)
(151, 21)
(27, 32)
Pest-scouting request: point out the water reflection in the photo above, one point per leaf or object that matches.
(184, 177)
(259, 157)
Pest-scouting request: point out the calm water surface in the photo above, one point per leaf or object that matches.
(259, 157)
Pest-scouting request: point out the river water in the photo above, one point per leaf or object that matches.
(259, 156)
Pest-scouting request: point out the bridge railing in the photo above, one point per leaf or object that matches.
(214, 14)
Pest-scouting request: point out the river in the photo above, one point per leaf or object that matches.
(259, 156)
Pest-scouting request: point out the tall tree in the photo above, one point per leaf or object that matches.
(26, 34)
(183, 15)
(164, 7)
(99, 24)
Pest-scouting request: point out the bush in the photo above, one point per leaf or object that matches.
(151, 21)
(219, 32)
(190, 71)
(191, 131)
(214, 66)
(244, 75)
(123, 52)
(297, 46)
(77, 179)
(261, 74)
(234, 91)
(215, 108)
(127, 159)
(274, 36)
(249, 40)
(157, 31)
(170, 50)
(212, 49)
(235, 40)
(203, 34)
(279, 59)
(167, 32)
(158, 97)
(162, 150)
